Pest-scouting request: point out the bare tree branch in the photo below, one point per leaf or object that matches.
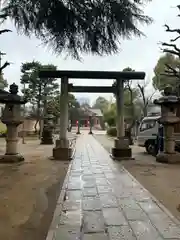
(4, 31)
(4, 66)
(146, 99)
(171, 68)
(168, 75)
(171, 72)
(171, 52)
(171, 45)
(168, 29)
(175, 39)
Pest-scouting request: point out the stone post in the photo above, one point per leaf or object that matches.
(90, 125)
(78, 128)
(121, 150)
(62, 150)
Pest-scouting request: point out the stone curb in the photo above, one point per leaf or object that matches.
(59, 205)
(74, 148)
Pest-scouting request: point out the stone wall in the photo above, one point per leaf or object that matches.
(28, 126)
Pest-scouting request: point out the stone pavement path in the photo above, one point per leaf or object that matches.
(100, 200)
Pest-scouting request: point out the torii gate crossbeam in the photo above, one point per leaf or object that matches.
(121, 149)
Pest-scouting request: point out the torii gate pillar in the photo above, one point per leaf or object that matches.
(62, 151)
(121, 149)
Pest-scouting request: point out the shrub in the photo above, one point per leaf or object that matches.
(3, 133)
(110, 116)
(112, 131)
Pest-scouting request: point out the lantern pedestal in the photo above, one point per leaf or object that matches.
(171, 158)
(168, 103)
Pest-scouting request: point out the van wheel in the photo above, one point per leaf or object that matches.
(150, 148)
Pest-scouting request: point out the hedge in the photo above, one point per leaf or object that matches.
(3, 133)
(112, 131)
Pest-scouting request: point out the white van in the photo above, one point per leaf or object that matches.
(147, 133)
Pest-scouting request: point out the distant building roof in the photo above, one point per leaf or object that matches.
(92, 111)
(96, 111)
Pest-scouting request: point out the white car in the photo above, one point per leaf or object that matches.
(147, 133)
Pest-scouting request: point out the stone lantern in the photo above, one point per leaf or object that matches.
(12, 117)
(168, 103)
(48, 127)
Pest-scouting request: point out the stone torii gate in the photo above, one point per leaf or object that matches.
(121, 148)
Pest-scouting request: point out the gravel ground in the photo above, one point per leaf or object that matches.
(29, 192)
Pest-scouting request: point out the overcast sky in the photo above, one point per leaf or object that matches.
(140, 54)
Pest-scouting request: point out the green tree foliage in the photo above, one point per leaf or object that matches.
(137, 98)
(132, 109)
(136, 102)
(54, 105)
(85, 105)
(78, 26)
(74, 108)
(110, 115)
(101, 103)
(38, 90)
(129, 102)
(131, 93)
(73, 103)
(161, 77)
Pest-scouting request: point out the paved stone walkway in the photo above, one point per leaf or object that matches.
(100, 200)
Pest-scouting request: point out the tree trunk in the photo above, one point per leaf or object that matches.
(44, 114)
(38, 115)
(145, 110)
(35, 126)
